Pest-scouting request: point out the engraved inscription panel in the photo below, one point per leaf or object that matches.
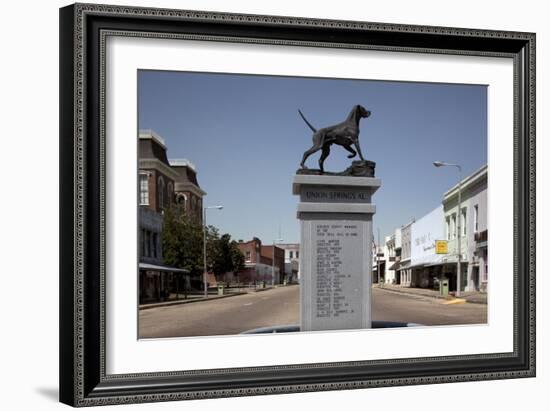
(338, 275)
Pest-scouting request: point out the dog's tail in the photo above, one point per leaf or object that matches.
(307, 122)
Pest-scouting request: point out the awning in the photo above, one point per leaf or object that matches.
(404, 265)
(428, 261)
(164, 268)
(445, 259)
(394, 266)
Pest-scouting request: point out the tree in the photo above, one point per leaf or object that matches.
(182, 241)
(226, 256)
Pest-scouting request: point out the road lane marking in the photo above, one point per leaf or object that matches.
(248, 304)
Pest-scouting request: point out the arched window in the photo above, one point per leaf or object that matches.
(160, 190)
(182, 200)
(143, 189)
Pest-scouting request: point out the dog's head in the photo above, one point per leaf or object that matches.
(362, 111)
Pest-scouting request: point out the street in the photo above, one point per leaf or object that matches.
(280, 306)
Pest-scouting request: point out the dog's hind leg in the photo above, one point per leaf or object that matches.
(309, 152)
(324, 155)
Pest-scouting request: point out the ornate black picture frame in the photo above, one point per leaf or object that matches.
(83, 30)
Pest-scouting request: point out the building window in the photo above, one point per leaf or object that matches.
(160, 190)
(476, 216)
(193, 203)
(291, 255)
(448, 228)
(170, 194)
(453, 226)
(463, 222)
(247, 258)
(182, 200)
(143, 189)
(154, 245)
(297, 254)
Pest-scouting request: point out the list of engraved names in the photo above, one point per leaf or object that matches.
(333, 297)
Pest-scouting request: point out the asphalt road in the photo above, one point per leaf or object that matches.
(280, 306)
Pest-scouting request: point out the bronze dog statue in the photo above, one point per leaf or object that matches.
(345, 134)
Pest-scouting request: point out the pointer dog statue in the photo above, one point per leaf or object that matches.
(345, 134)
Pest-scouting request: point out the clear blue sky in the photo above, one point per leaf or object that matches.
(246, 138)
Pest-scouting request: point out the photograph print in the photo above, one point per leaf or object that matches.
(273, 204)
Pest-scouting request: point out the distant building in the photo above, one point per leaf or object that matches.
(378, 264)
(404, 271)
(292, 261)
(277, 257)
(392, 254)
(258, 262)
(389, 257)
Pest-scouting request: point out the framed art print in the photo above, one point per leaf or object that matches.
(262, 204)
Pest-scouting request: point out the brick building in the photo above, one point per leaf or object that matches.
(156, 181)
(278, 262)
(188, 193)
(259, 263)
(156, 177)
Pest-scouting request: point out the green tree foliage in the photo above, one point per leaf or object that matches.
(226, 256)
(182, 242)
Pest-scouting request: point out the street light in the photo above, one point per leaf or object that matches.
(205, 274)
(273, 261)
(459, 215)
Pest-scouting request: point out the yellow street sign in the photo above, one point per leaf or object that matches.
(441, 247)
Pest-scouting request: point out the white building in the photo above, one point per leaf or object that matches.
(425, 262)
(392, 256)
(292, 261)
(404, 271)
(410, 257)
(473, 231)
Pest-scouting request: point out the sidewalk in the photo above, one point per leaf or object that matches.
(474, 297)
(195, 298)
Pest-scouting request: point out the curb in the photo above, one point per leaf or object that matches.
(476, 301)
(419, 296)
(435, 297)
(196, 300)
(454, 301)
(259, 290)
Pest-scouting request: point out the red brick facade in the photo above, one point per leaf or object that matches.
(157, 192)
(267, 252)
(259, 260)
(251, 250)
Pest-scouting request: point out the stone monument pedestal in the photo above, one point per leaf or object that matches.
(335, 214)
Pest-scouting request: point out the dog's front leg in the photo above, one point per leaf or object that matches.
(351, 150)
(358, 147)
